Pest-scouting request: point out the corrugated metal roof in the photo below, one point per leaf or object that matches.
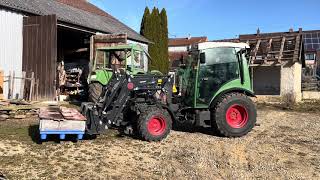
(85, 5)
(72, 15)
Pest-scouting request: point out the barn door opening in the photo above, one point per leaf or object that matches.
(40, 54)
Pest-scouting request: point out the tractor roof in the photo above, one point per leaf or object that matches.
(122, 46)
(208, 45)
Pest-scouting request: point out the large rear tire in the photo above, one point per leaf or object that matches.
(95, 90)
(154, 124)
(234, 115)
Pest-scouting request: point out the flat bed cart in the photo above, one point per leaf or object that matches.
(61, 121)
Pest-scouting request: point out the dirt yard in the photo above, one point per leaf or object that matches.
(284, 145)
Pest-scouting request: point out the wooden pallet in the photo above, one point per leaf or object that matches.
(1, 84)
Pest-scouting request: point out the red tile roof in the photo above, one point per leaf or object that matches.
(186, 41)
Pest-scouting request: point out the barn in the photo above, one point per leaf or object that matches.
(36, 35)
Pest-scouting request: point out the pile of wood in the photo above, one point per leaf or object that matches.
(16, 109)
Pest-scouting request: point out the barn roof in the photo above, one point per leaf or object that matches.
(80, 13)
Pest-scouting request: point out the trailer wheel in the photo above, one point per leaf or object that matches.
(154, 124)
(95, 90)
(234, 115)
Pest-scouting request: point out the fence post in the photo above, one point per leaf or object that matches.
(12, 84)
(23, 82)
(9, 85)
(1, 84)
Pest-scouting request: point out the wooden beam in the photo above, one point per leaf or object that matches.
(297, 49)
(9, 85)
(281, 49)
(31, 86)
(23, 82)
(268, 50)
(1, 84)
(267, 38)
(255, 51)
(264, 65)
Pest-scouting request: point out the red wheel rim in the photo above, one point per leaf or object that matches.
(237, 116)
(156, 125)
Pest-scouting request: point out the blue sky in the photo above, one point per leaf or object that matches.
(219, 19)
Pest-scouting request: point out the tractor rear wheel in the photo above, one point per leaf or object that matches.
(95, 90)
(234, 115)
(154, 124)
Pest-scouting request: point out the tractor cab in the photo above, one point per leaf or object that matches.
(128, 57)
(212, 68)
(133, 58)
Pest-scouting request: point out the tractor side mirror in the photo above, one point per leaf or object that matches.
(202, 58)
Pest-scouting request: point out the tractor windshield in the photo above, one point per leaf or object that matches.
(137, 60)
(110, 59)
(130, 59)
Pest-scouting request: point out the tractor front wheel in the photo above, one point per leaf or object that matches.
(234, 115)
(154, 124)
(95, 90)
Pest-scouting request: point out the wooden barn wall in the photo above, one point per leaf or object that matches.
(40, 53)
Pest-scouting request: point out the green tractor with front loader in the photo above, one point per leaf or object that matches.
(214, 91)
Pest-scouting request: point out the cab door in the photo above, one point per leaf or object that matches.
(217, 66)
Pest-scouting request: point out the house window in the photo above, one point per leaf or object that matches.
(310, 56)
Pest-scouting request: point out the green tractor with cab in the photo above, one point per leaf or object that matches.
(130, 57)
(215, 89)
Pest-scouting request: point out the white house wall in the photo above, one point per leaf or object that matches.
(11, 45)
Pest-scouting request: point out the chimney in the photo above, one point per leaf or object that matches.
(291, 30)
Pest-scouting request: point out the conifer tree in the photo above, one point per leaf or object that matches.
(154, 26)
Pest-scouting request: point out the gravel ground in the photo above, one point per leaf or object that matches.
(284, 145)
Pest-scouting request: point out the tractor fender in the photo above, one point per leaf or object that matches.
(239, 90)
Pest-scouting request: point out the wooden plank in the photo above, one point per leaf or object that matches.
(296, 49)
(268, 49)
(1, 84)
(13, 84)
(255, 51)
(281, 49)
(31, 86)
(23, 82)
(267, 38)
(9, 85)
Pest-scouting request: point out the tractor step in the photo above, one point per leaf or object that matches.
(61, 121)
